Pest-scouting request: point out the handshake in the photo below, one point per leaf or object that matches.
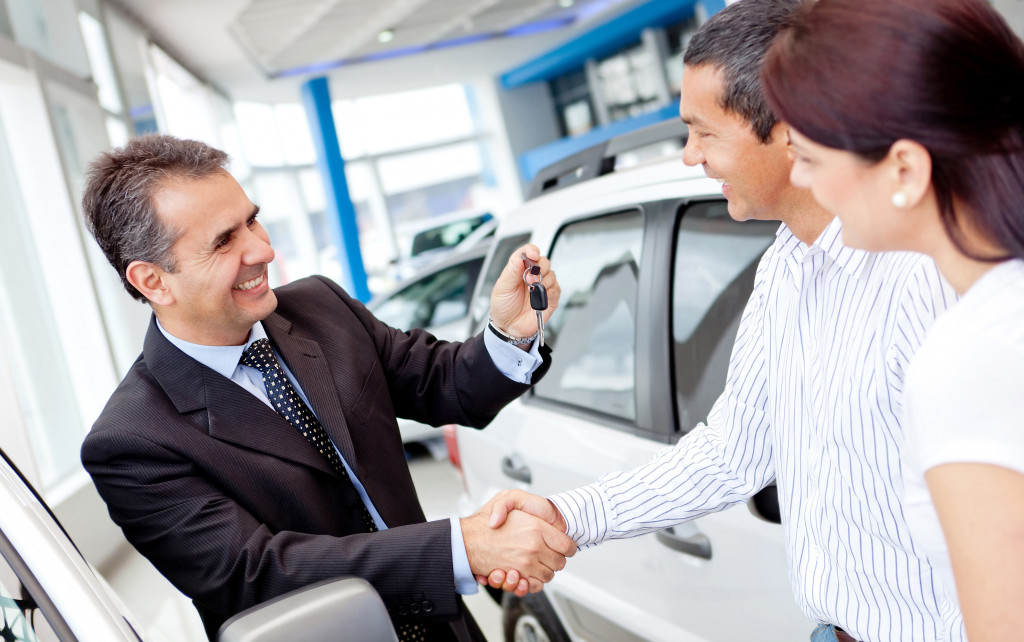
(516, 542)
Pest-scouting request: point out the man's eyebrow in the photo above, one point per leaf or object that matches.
(693, 121)
(226, 234)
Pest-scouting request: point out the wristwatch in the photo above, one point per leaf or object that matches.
(508, 338)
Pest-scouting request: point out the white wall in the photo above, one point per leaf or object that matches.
(528, 119)
(1013, 11)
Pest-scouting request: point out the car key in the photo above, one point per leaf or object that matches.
(538, 294)
(539, 302)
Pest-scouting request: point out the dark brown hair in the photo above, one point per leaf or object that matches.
(118, 198)
(858, 75)
(735, 41)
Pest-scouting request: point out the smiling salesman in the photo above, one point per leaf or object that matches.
(252, 449)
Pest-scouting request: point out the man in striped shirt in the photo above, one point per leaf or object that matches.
(813, 395)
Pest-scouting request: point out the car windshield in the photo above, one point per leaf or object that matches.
(440, 297)
(447, 235)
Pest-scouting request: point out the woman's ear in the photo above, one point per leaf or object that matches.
(149, 279)
(912, 173)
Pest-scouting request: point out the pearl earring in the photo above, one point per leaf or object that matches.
(899, 200)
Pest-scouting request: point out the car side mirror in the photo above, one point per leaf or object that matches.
(347, 607)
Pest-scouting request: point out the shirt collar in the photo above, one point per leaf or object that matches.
(829, 242)
(221, 359)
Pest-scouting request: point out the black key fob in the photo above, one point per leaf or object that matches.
(538, 297)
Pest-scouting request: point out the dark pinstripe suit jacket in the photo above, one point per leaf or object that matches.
(233, 505)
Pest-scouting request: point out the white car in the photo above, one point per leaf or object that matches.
(49, 592)
(654, 276)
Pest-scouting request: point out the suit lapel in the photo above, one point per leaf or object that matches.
(238, 417)
(307, 362)
(234, 414)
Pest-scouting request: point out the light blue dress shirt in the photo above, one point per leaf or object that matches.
(512, 362)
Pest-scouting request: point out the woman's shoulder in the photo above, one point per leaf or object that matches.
(978, 344)
(992, 310)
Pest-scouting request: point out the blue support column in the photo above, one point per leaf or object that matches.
(341, 214)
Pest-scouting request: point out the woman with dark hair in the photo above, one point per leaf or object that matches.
(907, 122)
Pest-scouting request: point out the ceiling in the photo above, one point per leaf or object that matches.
(263, 49)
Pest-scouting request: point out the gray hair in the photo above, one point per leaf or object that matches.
(735, 41)
(118, 198)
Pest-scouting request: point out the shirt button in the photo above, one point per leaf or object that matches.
(428, 606)
(414, 608)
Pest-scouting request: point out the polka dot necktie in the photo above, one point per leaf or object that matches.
(290, 405)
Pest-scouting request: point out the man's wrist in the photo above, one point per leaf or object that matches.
(508, 338)
(465, 581)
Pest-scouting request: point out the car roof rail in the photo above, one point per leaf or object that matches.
(599, 159)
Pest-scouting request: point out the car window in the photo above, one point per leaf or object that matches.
(713, 276)
(446, 235)
(437, 298)
(499, 257)
(594, 327)
(22, 620)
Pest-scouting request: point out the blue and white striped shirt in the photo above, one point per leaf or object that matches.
(813, 401)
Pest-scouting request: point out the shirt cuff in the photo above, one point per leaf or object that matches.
(511, 361)
(584, 515)
(465, 581)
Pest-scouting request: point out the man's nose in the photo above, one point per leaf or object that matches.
(692, 154)
(257, 247)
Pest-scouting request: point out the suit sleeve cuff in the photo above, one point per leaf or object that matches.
(465, 582)
(511, 361)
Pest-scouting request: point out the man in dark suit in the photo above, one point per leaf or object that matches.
(252, 448)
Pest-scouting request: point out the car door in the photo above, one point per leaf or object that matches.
(48, 592)
(651, 299)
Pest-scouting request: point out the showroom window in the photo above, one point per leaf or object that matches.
(103, 74)
(50, 28)
(68, 328)
(412, 160)
(39, 369)
(594, 327)
(128, 46)
(573, 102)
(629, 82)
(713, 275)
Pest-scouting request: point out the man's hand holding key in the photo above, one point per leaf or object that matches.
(524, 297)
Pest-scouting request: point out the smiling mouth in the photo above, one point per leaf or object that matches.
(248, 285)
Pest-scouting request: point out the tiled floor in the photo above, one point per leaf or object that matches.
(165, 615)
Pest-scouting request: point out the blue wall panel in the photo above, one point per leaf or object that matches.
(601, 41)
(538, 158)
